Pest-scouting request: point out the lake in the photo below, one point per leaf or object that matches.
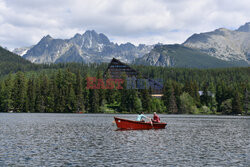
(91, 140)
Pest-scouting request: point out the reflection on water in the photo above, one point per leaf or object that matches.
(92, 140)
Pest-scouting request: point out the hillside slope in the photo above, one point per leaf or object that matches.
(10, 62)
(181, 56)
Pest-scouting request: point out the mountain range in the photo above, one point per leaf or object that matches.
(185, 57)
(223, 43)
(88, 48)
(219, 48)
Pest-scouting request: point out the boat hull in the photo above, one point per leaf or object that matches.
(137, 125)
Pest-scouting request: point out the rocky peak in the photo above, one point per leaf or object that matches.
(95, 37)
(47, 37)
(221, 31)
(94, 41)
(77, 39)
(127, 46)
(244, 28)
(103, 39)
(223, 43)
(87, 47)
(77, 35)
(90, 34)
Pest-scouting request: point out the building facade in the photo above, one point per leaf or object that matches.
(116, 69)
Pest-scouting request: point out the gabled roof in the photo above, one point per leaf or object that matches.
(151, 81)
(114, 60)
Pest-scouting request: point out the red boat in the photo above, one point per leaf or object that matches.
(137, 125)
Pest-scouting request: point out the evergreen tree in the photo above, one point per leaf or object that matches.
(137, 104)
(172, 108)
(146, 100)
(128, 95)
(1, 96)
(166, 93)
(52, 92)
(19, 93)
(6, 92)
(192, 88)
(79, 92)
(71, 103)
(226, 107)
(110, 93)
(188, 87)
(44, 87)
(169, 98)
(61, 91)
(93, 101)
(31, 94)
(39, 100)
(236, 104)
(86, 94)
(246, 102)
(205, 97)
(69, 91)
(177, 92)
(101, 90)
(124, 95)
(213, 102)
(195, 93)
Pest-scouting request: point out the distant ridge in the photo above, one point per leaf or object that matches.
(181, 56)
(223, 44)
(88, 48)
(10, 62)
(218, 48)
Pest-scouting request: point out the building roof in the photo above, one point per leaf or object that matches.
(116, 68)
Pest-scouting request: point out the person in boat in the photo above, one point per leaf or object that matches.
(141, 117)
(156, 118)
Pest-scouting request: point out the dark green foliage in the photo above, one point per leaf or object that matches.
(146, 100)
(19, 93)
(39, 101)
(236, 104)
(187, 104)
(246, 100)
(79, 92)
(206, 95)
(226, 107)
(177, 92)
(62, 88)
(101, 93)
(157, 105)
(93, 101)
(169, 98)
(6, 94)
(31, 95)
(10, 62)
(192, 89)
(111, 93)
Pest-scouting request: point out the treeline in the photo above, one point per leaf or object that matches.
(186, 91)
(12, 63)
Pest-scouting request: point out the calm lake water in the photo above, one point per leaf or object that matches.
(91, 140)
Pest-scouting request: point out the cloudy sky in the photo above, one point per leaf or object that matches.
(25, 22)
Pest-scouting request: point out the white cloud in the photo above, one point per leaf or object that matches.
(24, 23)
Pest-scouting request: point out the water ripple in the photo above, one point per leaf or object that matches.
(91, 140)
